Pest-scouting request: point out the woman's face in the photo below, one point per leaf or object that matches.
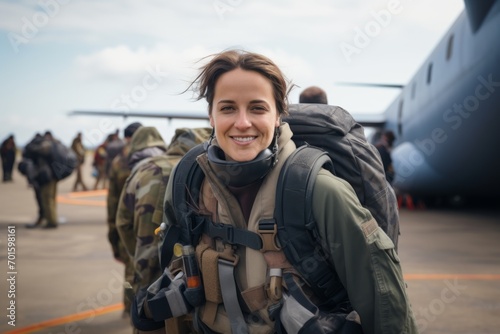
(243, 114)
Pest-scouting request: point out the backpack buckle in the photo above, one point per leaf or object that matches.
(268, 231)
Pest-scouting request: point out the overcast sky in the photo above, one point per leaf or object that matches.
(63, 55)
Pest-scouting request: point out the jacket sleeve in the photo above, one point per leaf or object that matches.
(125, 218)
(363, 257)
(148, 217)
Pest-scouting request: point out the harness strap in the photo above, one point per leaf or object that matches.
(230, 297)
(255, 298)
(232, 235)
(295, 290)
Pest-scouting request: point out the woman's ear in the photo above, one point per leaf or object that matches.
(211, 121)
(278, 121)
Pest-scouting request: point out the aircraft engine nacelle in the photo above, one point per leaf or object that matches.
(413, 174)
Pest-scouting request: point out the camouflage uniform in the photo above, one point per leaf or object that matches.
(118, 173)
(140, 210)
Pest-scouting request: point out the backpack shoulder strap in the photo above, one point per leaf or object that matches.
(296, 184)
(187, 178)
(297, 227)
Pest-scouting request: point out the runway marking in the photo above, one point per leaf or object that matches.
(69, 318)
(88, 193)
(470, 277)
(74, 198)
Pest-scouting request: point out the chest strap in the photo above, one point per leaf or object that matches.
(232, 235)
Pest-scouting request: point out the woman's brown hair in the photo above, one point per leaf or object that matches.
(232, 59)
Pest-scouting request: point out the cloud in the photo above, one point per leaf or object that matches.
(95, 52)
(124, 61)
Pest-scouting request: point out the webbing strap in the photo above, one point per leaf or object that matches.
(230, 297)
(233, 235)
(297, 293)
(297, 227)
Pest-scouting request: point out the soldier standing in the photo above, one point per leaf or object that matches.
(77, 146)
(118, 173)
(8, 152)
(140, 209)
(27, 168)
(41, 153)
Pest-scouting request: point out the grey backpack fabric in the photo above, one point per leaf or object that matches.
(353, 158)
(63, 160)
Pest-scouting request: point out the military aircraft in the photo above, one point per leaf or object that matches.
(447, 118)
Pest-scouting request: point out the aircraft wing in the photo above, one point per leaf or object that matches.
(367, 120)
(166, 115)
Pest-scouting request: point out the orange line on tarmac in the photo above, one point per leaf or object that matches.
(64, 200)
(69, 318)
(472, 277)
(88, 193)
(75, 198)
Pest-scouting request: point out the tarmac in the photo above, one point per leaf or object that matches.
(65, 280)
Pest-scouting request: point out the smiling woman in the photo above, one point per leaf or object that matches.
(243, 114)
(228, 218)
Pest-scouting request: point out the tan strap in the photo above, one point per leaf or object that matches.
(210, 273)
(229, 255)
(177, 325)
(255, 298)
(277, 260)
(209, 313)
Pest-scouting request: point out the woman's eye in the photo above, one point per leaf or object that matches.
(258, 108)
(227, 108)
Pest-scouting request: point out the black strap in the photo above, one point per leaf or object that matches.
(187, 180)
(139, 319)
(297, 293)
(233, 235)
(297, 227)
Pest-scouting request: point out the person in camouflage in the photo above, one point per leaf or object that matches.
(140, 209)
(77, 147)
(118, 173)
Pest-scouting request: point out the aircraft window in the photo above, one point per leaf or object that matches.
(429, 74)
(449, 50)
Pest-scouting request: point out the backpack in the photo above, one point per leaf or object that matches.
(354, 159)
(63, 160)
(326, 137)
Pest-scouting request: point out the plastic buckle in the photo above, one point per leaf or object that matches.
(222, 231)
(268, 231)
(228, 256)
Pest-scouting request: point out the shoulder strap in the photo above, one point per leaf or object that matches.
(296, 224)
(187, 180)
